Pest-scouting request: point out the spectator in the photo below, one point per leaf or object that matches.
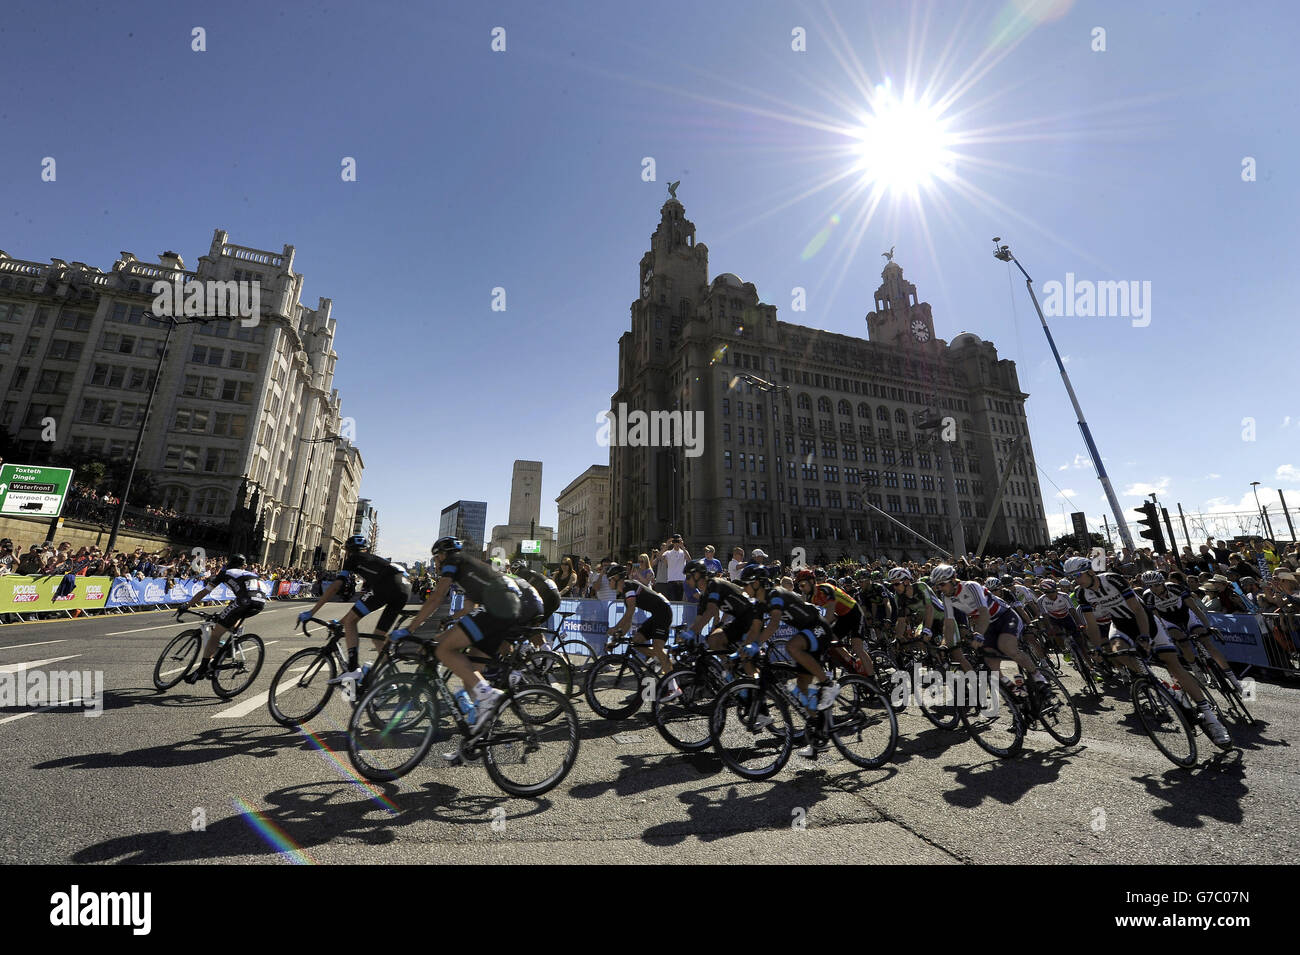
(565, 578)
(584, 577)
(711, 563)
(737, 562)
(602, 589)
(8, 561)
(643, 573)
(674, 559)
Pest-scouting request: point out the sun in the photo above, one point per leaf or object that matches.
(902, 144)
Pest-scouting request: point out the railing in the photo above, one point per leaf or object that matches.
(252, 255)
(26, 268)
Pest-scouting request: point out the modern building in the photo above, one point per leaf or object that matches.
(525, 515)
(366, 522)
(800, 428)
(239, 403)
(466, 520)
(584, 514)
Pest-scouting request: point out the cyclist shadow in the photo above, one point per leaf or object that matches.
(771, 804)
(928, 742)
(1006, 780)
(1212, 791)
(298, 818)
(184, 698)
(1251, 736)
(208, 746)
(642, 773)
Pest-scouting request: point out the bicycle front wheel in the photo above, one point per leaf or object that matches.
(1165, 722)
(751, 730)
(301, 688)
(1058, 713)
(997, 727)
(532, 742)
(579, 655)
(177, 659)
(613, 689)
(684, 721)
(237, 665)
(548, 668)
(863, 725)
(392, 729)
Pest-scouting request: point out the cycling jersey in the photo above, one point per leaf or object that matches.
(1169, 606)
(1057, 606)
(242, 584)
(483, 585)
(661, 612)
(914, 605)
(545, 587)
(1107, 598)
(968, 599)
(824, 594)
(794, 609)
(729, 598)
(380, 575)
(1025, 595)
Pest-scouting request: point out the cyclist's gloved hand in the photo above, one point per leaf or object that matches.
(749, 650)
(398, 634)
(304, 616)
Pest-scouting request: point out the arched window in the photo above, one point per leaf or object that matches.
(212, 502)
(899, 417)
(845, 408)
(805, 403)
(882, 414)
(864, 411)
(176, 497)
(135, 286)
(824, 404)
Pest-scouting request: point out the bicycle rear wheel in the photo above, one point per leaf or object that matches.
(177, 659)
(936, 701)
(1058, 713)
(532, 742)
(1165, 722)
(863, 725)
(1231, 695)
(749, 747)
(301, 688)
(1090, 677)
(684, 722)
(613, 688)
(997, 728)
(547, 668)
(392, 729)
(580, 656)
(237, 665)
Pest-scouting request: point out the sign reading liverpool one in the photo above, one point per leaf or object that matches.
(33, 491)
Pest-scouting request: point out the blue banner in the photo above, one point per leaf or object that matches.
(1242, 640)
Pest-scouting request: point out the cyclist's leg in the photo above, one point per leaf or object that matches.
(451, 654)
(798, 647)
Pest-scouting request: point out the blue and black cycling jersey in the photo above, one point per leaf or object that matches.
(242, 583)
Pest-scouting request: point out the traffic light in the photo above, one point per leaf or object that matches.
(1150, 521)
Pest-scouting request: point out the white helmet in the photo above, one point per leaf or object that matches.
(898, 574)
(992, 583)
(1076, 566)
(1152, 577)
(941, 573)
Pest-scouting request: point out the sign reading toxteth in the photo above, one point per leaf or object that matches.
(33, 491)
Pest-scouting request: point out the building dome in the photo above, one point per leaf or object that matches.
(730, 278)
(964, 339)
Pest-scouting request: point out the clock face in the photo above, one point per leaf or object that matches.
(919, 331)
(645, 284)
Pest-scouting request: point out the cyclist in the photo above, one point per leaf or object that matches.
(994, 624)
(248, 601)
(719, 596)
(546, 589)
(808, 643)
(916, 605)
(654, 630)
(879, 609)
(1174, 605)
(387, 586)
(1132, 621)
(840, 612)
(498, 605)
(1059, 613)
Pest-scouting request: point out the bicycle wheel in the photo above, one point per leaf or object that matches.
(579, 655)
(936, 699)
(177, 659)
(613, 688)
(1165, 722)
(684, 722)
(1080, 661)
(1231, 695)
(237, 665)
(863, 726)
(301, 688)
(998, 727)
(1058, 713)
(392, 729)
(532, 742)
(547, 668)
(750, 747)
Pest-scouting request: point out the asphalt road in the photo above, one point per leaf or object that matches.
(183, 777)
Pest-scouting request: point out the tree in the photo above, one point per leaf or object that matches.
(1069, 542)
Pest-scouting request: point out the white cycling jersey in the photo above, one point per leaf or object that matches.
(968, 599)
(1058, 606)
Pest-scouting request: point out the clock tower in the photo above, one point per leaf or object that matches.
(899, 319)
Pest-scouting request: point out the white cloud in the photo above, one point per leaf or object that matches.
(1066, 493)
(1080, 461)
(1142, 489)
(1288, 472)
(1286, 422)
(1213, 477)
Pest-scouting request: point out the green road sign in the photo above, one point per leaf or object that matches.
(530, 547)
(28, 490)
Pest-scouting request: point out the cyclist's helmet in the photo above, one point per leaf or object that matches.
(820, 574)
(846, 582)
(900, 575)
(755, 574)
(357, 542)
(943, 572)
(992, 583)
(804, 575)
(1047, 584)
(1007, 580)
(1076, 566)
(236, 560)
(444, 545)
(875, 575)
(1152, 577)
(615, 570)
(863, 573)
(520, 564)
(695, 567)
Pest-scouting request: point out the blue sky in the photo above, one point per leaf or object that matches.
(522, 169)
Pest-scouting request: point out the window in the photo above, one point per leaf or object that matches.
(891, 479)
(850, 452)
(726, 432)
(65, 349)
(54, 382)
(887, 456)
(851, 476)
(844, 407)
(726, 460)
(20, 378)
(873, 476)
(882, 414)
(803, 403)
(909, 481)
(236, 390)
(913, 506)
(6, 343)
(196, 387)
(893, 503)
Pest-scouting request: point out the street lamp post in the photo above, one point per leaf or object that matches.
(769, 387)
(1004, 253)
(302, 501)
(172, 322)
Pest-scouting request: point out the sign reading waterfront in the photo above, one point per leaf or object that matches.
(32, 491)
(530, 547)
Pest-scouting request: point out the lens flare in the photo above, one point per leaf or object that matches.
(816, 242)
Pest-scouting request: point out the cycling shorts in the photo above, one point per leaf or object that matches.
(392, 598)
(237, 611)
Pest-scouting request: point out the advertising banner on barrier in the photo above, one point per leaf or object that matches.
(1242, 640)
(21, 594)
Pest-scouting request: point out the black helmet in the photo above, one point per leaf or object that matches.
(755, 573)
(357, 542)
(1007, 580)
(820, 573)
(444, 544)
(695, 567)
(520, 564)
(236, 560)
(615, 570)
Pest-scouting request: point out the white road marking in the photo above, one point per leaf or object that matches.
(17, 667)
(256, 702)
(39, 644)
(43, 709)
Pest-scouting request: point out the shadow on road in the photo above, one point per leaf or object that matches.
(716, 812)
